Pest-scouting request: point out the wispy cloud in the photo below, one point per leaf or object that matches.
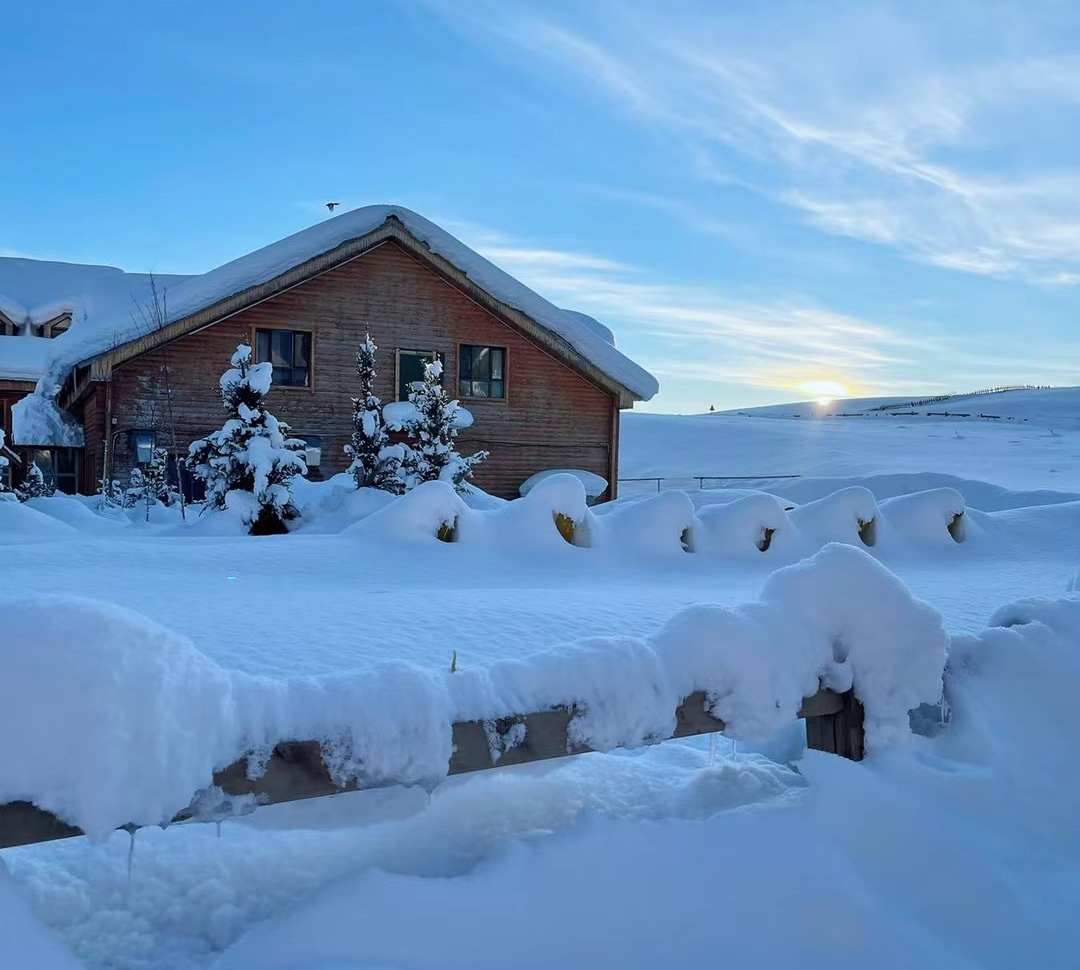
(698, 333)
(872, 120)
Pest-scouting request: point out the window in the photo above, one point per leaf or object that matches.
(410, 369)
(58, 326)
(290, 353)
(59, 467)
(482, 371)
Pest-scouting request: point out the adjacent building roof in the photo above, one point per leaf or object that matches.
(105, 302)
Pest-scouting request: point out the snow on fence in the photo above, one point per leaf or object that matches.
(120, 721)
(296, 770)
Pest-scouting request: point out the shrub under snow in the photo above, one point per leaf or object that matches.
(248, 465)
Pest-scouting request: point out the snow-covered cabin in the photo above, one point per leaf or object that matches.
(87, 348)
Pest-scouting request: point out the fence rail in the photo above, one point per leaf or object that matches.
(683, 483)
(295, 770)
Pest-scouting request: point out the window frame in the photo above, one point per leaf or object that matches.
(505, 399)
(56, 326)
(412, 352)
(253, 339)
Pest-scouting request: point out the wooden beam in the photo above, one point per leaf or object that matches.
(295, 769)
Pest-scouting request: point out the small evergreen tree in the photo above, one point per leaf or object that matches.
(434, 429)
(251, 461)
(149, 485)
(375, 462)
(34, 484)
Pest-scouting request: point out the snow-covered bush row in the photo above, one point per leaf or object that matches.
(147, 718)
(555, 511)
(751, 523)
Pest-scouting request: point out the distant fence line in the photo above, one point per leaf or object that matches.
(638, 485)
(922, 402)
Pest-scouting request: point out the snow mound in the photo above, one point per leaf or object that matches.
(119, 720)
(21, 523)
(75, 513)
(751, 524)
(935, 516)
(553, 513)
(660, 524)
(594, 485)
(417, 515)
(848, 515)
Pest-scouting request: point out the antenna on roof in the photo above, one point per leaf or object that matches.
(332, 205)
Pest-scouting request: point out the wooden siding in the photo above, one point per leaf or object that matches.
(554, 417)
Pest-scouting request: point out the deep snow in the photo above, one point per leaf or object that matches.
(956, 849)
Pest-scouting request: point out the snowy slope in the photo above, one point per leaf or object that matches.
(1038, 449)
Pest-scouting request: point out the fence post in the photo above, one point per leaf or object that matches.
(840, 732)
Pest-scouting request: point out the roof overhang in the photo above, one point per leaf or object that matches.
(392, 230)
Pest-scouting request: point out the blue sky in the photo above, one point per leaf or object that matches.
(757, 197)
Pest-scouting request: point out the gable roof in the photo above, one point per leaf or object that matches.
(105, 324)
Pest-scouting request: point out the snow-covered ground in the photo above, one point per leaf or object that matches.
(954, 850)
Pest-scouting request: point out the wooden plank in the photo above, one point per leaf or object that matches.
(295, 769)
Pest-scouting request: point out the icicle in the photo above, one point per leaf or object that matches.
(218, 824)
(131, 830)
(712, 750)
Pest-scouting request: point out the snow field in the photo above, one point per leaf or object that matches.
(954, 850)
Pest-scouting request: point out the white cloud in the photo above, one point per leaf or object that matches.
(874, 121)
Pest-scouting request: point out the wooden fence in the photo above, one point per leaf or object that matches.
(295, 770)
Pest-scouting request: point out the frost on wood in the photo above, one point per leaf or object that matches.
(433, 456)
(148, 718)
(375, 462)
(248, 466)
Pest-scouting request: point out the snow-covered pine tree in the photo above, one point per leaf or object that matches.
(434, 429)
(250, 463)
(149, 484)
(34, 484)
(375, 462)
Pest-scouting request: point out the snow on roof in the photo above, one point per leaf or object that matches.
(23, 358)
(35, 291)
(108, 321)
(592, 323)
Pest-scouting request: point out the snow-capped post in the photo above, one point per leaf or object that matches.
(434, 428)
(34, 484)
(375, 462)
(249, 464)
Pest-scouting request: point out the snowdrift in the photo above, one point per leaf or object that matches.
(147, 718)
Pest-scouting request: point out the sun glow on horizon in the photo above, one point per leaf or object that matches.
(825, 392)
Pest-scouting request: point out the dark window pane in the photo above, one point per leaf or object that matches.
(496, 364)
(299, 377)
(262, 345)
(498, 389)
(281, 348)
(480, 388)
(465, 363)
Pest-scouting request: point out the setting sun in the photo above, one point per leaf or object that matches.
(825, 392)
